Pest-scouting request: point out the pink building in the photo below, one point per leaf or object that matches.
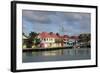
(50, 39)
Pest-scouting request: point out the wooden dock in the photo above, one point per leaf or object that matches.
(45, 49)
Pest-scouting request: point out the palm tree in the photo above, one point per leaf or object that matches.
(33, 38)
(32, 34)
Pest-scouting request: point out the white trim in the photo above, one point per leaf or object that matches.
(35, 65)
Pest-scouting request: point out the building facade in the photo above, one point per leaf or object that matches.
(51, 40)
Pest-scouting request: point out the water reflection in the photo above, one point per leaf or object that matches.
(56, 55)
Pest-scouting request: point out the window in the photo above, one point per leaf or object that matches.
(44, 39)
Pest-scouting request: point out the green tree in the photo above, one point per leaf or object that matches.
(85, 39)
(33, 38)
(30, 42)
(36, 41)
(32, 34)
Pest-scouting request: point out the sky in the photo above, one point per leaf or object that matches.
(67, 23)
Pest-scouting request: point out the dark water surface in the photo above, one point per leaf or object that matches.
(57, 55)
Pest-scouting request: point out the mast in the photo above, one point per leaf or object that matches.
(62, 29)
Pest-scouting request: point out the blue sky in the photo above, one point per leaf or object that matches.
(69, 23)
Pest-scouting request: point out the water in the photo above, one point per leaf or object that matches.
(57, 55)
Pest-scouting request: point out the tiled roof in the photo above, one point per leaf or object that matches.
(74, 37)
(52, 35)
(47, 35)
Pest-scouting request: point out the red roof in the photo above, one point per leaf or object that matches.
(52, 35)
(65, 36)
(74, 37)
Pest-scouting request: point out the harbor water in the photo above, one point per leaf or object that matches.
(57, 55)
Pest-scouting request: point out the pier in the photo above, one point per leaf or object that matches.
(45, 49)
